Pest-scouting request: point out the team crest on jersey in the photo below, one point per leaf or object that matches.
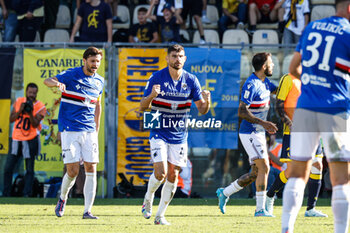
(184, 86)
(174, 106)
(162, 93)
(77, 86)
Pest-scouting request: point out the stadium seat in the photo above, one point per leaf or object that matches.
(235, 36)
(267, 26)
(134, 17)
(124, 14)
(245, 67)
(211, 36)
(322, 2)
(322, 11)
(213, 15)
(56, 35)
(276, 69)
(285, 64)
(266, 37)
(185, 34)
(63, 17)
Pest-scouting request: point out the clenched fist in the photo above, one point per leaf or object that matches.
(155, 90)
(206, 95)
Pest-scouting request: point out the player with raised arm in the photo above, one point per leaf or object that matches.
(170, 91)
(78, 122)
(253, 108)
(322, 61)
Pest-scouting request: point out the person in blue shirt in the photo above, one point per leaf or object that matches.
(78, 122)
(169, 23)
(253, 109)
(322, 62)
(94, 22)
(169, 94)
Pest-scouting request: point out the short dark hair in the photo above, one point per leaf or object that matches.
(31, 85)
(92, 51)
(142, 9)
(259, 60)
(176, 47)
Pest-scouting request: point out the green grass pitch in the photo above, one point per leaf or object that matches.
(124, 215)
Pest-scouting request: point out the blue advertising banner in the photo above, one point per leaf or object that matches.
(218, 71)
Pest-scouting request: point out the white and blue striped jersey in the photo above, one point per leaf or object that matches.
(325, 51)
(173, 102)
(256, 94)
(78, 102)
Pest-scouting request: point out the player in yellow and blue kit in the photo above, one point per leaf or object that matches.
(287, 95)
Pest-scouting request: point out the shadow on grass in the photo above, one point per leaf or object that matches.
(138, 202)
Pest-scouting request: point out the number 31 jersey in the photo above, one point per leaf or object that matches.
(325, 50)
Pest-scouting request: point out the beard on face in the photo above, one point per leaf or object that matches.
(175, 66)
(89, 68)
(268, 72)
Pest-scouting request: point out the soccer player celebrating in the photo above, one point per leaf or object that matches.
(171, 91)
(286, 99)
(253, 108)
(78, 122)
(322, 61)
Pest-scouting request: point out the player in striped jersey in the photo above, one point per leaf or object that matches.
(78, 122)
(322, 61)
(253, 108)
(170, 91)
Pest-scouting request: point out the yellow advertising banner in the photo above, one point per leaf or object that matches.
(133, 154)
(37, 66)
(5, 107)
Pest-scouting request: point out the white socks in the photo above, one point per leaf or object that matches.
(153, 185)
(89, 190)
(232, 188)
(67, 184)
(260, 200)
(293, 195)
(340, 207)
(168, 192)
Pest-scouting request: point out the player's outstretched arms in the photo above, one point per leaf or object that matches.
(245, 114)
(203, 105)
(53, 82)
(146, 101)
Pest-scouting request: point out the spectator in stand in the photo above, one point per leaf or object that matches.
(194, 7)
(296, 18)
(169, 24)
(263, 11)
(159, 6)
(30, 15)
(50, 15)
(10, 17)
(235, 12)
(94, 22)
(143, 31)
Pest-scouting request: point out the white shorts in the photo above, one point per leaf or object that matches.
(309, 127)
(173, 153)
(78, 146)
(255, 146)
